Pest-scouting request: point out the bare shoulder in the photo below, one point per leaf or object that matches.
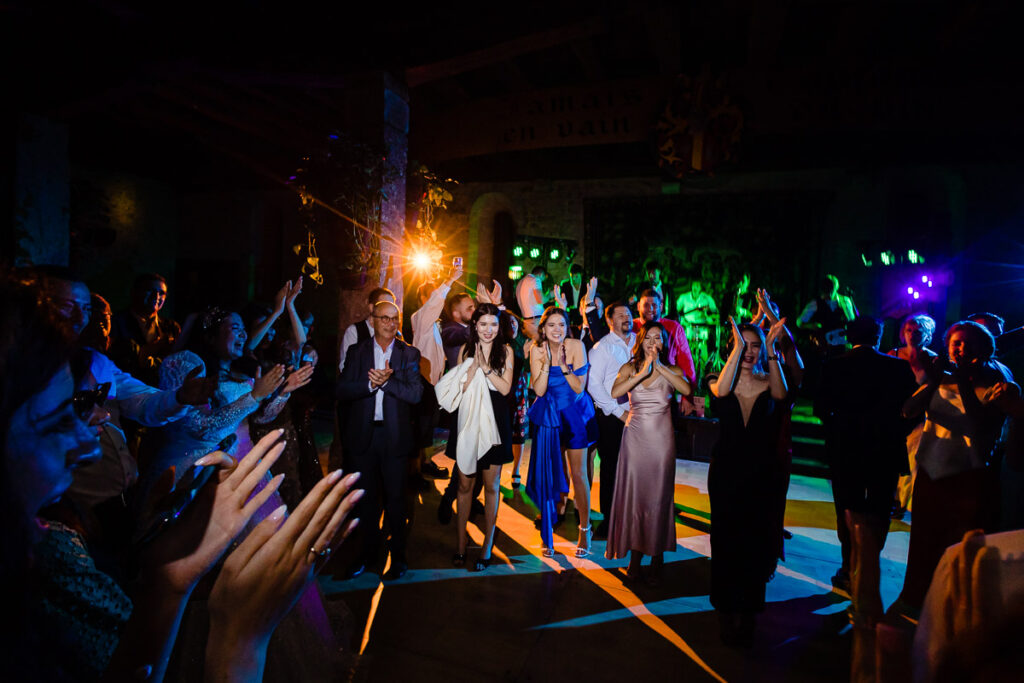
(627, 370)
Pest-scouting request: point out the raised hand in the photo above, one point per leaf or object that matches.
(298, 378)
(764, 301)
(265, 385)
(295, 291)
(737, 336)
(281, 297)
(182, 554)
(495, 294)
(777, 328)
(590, 293)
(263, 578)
(196, 390)
(560, 299)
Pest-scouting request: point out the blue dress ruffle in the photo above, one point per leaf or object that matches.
(559, 419)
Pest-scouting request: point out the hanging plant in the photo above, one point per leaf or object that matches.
(429, 202)
(347, 179)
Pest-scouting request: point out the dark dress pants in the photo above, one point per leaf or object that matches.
(866, 487)
(608, 442)
(384, 477)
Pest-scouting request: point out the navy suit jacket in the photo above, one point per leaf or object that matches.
(401, 393)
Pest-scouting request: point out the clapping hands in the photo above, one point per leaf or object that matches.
(380, 377)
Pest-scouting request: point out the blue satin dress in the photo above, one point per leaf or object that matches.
(559, 419)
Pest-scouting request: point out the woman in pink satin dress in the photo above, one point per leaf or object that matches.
(643, 513)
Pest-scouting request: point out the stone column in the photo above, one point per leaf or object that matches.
(379, 109)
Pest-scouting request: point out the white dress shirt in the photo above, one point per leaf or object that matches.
(426, 333)
(350, 337)
(607, 356)
(379, 357)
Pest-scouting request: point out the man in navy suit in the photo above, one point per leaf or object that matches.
(381, 384)
(860, 401)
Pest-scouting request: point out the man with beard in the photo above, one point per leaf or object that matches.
(679, 353)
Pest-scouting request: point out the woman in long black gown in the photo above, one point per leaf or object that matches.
(750, 399)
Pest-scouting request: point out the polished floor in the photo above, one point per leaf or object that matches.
(530, 618)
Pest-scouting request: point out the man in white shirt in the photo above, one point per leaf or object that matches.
(426, 336)
(363, 329)
(531, 299)
(606, 358)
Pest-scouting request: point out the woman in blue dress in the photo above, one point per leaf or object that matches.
(562, 419)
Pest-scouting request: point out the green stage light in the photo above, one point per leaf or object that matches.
(515, 272)
(867, 262)
(554, 254)
(535, 252)
(517, 250)
(912, 256)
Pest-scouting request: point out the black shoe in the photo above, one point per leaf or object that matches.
(482, 563)
(477, 508)
(433, 471)
(516, 482)
(787, 534)
(397, 571)
(353, 571)
(459, 560)
(601, 531)
(444, 510)
(842, 580)
(418, 483)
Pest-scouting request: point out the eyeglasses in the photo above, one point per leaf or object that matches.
(388, 318)
(84, 400)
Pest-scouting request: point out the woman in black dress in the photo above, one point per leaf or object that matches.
(492, 358)
(750, 399)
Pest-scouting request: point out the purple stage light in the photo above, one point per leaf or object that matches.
(924, 278)
(910, 290)
(930, 283)
(917, 295)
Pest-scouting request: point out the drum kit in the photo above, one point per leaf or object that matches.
(705, 339)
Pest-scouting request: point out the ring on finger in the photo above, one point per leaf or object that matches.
(320, 554)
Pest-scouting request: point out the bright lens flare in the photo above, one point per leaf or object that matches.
(421, 260)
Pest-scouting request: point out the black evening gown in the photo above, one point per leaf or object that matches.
(745, 532)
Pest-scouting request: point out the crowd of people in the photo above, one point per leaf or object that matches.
(141, 456)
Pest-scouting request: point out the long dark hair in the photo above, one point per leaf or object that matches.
(638, 347)
(498, 349)
(760, 369)
(549, 312)
(34, 346)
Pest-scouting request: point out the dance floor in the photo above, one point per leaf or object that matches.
(530, 618)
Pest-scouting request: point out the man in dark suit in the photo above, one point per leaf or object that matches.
(381, 384)
(860, 400)
(572, 290)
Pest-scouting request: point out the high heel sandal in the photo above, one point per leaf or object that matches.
(459, 560)
(585, 532)
(482, 563)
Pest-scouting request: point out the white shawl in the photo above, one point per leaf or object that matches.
(478, 430)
